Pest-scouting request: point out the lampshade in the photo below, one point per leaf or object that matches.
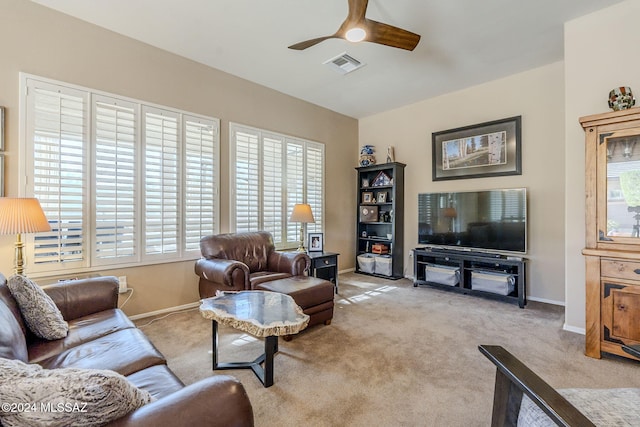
(22, 215)
(450, 212)
(302, 213)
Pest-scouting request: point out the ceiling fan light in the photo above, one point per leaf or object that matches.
(356, 35)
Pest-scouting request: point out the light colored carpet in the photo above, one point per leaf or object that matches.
(394, 355)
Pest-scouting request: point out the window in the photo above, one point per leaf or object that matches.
(270, 173)
(121, 182)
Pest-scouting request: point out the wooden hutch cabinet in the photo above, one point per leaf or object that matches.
(612, 249)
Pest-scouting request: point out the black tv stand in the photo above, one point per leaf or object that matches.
(463, 252)
(467, 263)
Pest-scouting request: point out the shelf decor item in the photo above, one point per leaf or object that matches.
(367, 197)
(366, 156)
(477, 151)
(382, 180)
(621, 98)
(368, 213)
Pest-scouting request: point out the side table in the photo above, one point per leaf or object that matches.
(262, 314)
(324, 265)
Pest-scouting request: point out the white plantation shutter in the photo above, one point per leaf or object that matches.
(295, 185)
(115, 128)
(315, 185)
(246, 170)
(57, 134)
(122, 183)
(161, 175)
(270, 174)
(201, 180)
(272, 186)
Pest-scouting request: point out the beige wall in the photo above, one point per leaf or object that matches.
(43, 42)
(601, 52)
(537, 96)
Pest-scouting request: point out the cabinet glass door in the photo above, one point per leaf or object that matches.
(622, 187)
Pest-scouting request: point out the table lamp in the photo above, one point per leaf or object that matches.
(21, 215)
(302, 214)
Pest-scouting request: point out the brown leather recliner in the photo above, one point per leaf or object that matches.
(241, 261)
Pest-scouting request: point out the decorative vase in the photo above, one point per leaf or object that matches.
(366, 156)
(621, 98)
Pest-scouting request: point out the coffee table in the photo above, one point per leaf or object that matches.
(262, 314)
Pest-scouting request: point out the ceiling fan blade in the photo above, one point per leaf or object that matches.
(308, 43)
(388, 35)
(357, 10)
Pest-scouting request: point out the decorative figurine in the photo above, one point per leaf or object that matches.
(621, 98)
(390, 155)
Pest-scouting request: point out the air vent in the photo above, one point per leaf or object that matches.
(344, 63)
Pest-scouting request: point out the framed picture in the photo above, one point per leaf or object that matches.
(368, 213)
(365, 182)
(382, 197)
(367, 197)
(1, 128)
(478, 151)
(315, 242)
(1, 174)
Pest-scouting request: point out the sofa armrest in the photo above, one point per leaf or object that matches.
(220, 400)
(513, 379)
(222, 271)
(77, 298)
(294, 263)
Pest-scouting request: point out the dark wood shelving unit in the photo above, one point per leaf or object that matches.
(375, 230)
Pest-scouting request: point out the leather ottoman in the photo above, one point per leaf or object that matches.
(313, 295)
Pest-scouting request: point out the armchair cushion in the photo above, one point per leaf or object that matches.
(39, 311)
(604, 407)
(65, 397)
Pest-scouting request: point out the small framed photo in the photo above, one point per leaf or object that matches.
(316, 243)
(382, 197)
(365, 182)
(367, 197)
(1, 128)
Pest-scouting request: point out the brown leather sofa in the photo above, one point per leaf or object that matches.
(101, 336)
(242, 261)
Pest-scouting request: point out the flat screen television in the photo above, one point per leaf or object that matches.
(488, 220)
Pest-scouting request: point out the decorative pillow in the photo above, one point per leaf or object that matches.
(34, 396)
(38, 310)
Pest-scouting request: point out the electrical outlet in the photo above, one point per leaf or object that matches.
(123, 284)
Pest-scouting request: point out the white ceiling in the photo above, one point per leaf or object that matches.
(464, 42)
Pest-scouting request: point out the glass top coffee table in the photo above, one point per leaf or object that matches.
(262, 314)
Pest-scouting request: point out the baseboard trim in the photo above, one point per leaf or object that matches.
(348, 270)
(165, 311)
(581, 331)
(546, 301)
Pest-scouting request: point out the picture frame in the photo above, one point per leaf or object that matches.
(367, 197)
(368, 213)
(381, 197)
(1, 128)
(1, 174)
(316, 242)
(382, 180)
(365, 183)
(477, 151)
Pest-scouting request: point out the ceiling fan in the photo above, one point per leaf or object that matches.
(358, 28)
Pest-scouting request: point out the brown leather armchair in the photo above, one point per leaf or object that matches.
(241, 261)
